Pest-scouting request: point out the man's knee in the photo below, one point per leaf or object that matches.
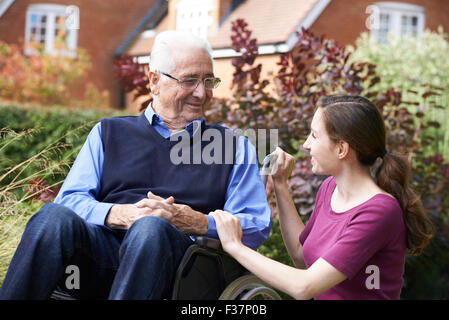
(53, 217)
(156, 235)
(151, 227)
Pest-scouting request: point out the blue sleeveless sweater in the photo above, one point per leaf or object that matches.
(137, 160)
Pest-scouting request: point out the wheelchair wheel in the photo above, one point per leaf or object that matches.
(248, 287)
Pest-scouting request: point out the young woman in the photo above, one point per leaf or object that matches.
(355, 242)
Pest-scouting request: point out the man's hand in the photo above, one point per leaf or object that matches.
(183, 217)
(122, 216)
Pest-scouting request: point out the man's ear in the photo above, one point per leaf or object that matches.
(154, 79)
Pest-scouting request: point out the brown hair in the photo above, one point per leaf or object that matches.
(357, 121)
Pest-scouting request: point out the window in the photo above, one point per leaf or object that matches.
(51, 27)
(398, 19)
(194, 16)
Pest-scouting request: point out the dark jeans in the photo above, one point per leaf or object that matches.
(139, 263)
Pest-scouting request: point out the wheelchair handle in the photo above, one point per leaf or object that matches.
(210, 243)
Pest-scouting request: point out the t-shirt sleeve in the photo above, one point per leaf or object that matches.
(367, 232)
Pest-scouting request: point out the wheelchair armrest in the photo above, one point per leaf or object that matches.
(210, 243)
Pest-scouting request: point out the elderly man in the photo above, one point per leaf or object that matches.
(126, 213)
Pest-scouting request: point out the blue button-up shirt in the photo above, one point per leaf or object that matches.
(245, 196)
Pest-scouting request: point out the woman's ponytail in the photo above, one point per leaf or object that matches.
(393, 176)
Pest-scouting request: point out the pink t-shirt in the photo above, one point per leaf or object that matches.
(366, 243)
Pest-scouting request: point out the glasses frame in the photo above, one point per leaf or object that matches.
(216, 81)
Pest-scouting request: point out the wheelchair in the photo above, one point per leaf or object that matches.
(206, 272)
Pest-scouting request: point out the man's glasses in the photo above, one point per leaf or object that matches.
(192, 83)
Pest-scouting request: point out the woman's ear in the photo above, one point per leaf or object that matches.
(342, 149)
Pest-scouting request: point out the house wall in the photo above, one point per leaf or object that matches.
(104, 25)
(224, 70)
(344, 20)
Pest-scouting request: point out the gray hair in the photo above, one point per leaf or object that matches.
(165, 47)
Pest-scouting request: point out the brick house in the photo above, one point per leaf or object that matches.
(274, 23)
(103, 27)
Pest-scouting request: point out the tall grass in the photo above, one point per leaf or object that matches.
(18, 202)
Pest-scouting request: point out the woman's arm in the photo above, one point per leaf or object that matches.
(289, 220)
(290, 223)
(298, 283)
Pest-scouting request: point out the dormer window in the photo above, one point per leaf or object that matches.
(397, 18)
(52, 28)
(194, 16)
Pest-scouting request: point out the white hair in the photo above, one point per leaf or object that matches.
(169, 43)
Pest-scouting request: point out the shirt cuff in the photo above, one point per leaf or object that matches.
(211, 228)
(99, 213)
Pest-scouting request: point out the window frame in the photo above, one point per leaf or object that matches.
(202, 17)
(51, 11)
(395, 11)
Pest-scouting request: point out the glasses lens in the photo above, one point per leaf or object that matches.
(211, 83)
(189, 83)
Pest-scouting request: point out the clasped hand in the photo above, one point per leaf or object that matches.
(181, 216)
(158, 207)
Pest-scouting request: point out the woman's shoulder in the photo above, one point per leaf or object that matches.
(327, 185)
(382, 209)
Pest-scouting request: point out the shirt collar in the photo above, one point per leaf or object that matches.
(155, 119)
(152, 116)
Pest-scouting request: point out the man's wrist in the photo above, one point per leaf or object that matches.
(198, 220)
(113, 220)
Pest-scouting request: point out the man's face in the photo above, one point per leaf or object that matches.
(171, 100)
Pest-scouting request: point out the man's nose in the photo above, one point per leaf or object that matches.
(200, 90)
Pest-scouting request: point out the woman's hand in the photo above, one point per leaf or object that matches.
(283, 167)
(228, 229)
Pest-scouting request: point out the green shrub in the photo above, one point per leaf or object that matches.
(66, 128)
(410, 64)
(37, 148)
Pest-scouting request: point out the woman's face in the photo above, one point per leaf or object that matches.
(323, 150)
